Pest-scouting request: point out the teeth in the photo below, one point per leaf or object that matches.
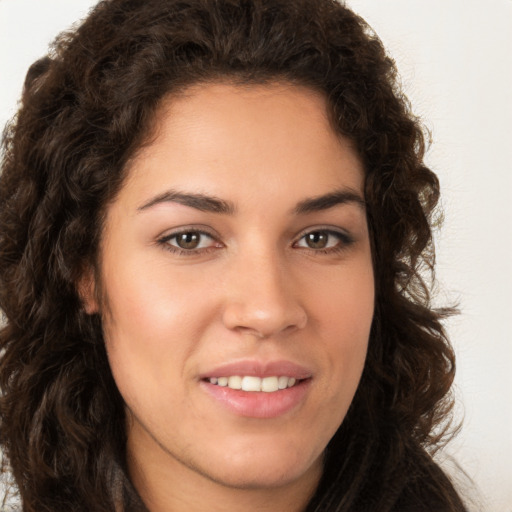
(254, 384)
(282, 382)
(270, 384)
(235, 382)
(251, 384)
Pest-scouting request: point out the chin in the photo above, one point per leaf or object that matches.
(264, 469)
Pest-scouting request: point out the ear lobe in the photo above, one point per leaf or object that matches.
(86, 288)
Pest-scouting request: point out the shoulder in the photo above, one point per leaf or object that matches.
(427, 488)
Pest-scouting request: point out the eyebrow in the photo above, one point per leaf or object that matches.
(326, 201)
(200, 202)
(212, 204)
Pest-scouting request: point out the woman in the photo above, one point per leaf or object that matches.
(213, 220)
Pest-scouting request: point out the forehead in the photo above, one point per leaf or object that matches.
(222, 138)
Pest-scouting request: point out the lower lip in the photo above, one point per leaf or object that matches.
(259, 404)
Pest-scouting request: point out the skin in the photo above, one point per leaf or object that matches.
(255, 288)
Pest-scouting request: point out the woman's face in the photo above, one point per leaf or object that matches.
(237, 255)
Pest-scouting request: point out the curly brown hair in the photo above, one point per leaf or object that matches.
(86, 110)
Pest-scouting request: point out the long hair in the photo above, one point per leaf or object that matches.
(86, 110)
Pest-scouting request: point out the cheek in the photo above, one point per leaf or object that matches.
(344, 304)
(343, 315)
(153, 323)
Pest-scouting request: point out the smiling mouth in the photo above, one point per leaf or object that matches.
(255, 384)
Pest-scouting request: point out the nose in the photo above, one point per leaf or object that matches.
(260, 298)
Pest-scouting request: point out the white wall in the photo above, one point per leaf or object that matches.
(455, 62)
(454, 59)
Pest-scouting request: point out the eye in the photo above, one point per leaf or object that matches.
(323, 239)
(189, 241)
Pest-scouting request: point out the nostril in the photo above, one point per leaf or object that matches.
(250, 332)
(262, 322)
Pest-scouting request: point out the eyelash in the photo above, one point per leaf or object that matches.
(344, 241)
(164, 241)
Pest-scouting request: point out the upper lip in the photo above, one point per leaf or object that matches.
(259, 369)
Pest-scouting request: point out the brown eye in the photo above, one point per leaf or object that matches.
(317, 240)
(188, 240)
(324, 240)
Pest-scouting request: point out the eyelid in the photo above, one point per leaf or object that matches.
(200, 230)
(345, 238)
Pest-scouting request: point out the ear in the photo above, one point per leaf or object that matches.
(86, 288)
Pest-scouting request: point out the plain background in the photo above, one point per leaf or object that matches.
(454, 60)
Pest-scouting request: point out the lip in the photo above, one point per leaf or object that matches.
(259, 369)
(260, 405)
